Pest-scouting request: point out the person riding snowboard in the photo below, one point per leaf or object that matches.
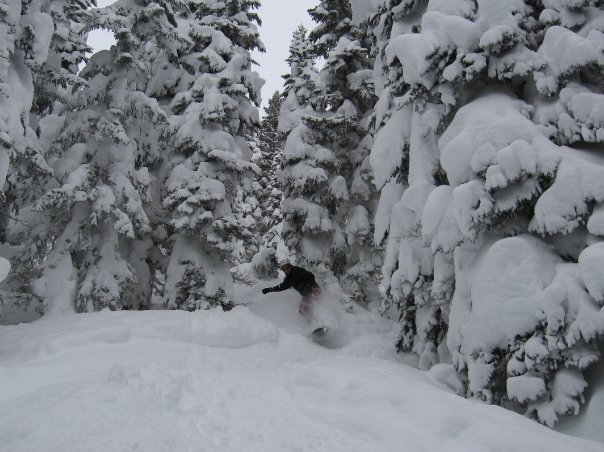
(301, 280)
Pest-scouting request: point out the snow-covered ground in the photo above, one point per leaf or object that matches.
(246, 380)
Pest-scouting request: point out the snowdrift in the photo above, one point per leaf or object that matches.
(246, 380)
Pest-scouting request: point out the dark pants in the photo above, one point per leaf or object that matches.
(306, 304)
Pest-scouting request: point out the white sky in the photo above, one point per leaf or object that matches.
(279, 20)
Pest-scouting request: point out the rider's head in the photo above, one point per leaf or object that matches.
(285, 266)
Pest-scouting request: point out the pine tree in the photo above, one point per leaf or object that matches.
(409, 282)
(214, 107)
(270, 161)
(57, 78)
(41, 49)
(27, 31)
(469, 160)
(306, 229)
(334, 19)
(303, 85)
(103, 161)
(342, 130)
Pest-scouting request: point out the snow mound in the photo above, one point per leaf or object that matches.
(215, 381)
(4, 268)
(508, 280)
(215, 328)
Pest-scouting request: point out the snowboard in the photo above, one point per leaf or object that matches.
(319, 335)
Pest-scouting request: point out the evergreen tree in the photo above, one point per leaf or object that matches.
(480, 191)
(408, 278)
(303, 84)
(334, 19)
(214, 108)
(306, 229)
(340, 179)
(269, 161)
(57, 78)
(26, 30)
(103, 161)
(350, 93)
(41, 48)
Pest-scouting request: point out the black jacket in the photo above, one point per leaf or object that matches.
(299, 279)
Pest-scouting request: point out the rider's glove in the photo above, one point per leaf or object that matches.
(267, 290)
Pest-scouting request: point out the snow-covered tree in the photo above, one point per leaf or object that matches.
(307, 228)
(342, 129)
(214, 107)
(328, 191)
(270, 141)
(489, 237)
(405, 137)
(98, 206)
(334, 20)
(57, 78)
(42, 44)
(26, 31)
(303, 85)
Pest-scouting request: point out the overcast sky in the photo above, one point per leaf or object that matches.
(279, 20)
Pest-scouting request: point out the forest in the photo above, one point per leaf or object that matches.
(440, 161)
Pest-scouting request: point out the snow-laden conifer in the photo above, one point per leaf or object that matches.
(270, 159)
(328, 188)
(341, 131)
(334, 20)
(26, 31)
(489, 117)
(41, 45)
(307, 229)
(57, 78)
(214, 106)
(303, 85)
(103, 161)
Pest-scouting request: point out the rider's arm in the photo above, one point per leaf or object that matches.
(286, 284)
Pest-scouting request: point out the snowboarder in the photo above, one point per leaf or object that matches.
(301, 280)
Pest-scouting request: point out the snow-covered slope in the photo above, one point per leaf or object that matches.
(246, 380)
